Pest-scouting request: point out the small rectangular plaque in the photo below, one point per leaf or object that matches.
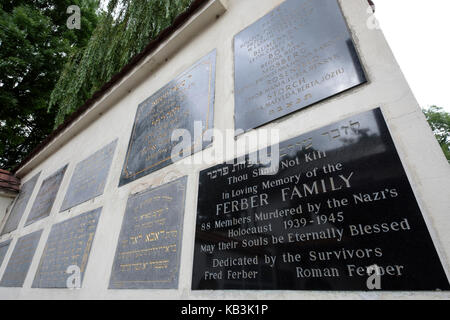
(89, 178)
(178, 105)
(149, 248)
(68, 244)
(299, 54)
(337, 205)
(20, 261)
(3, 250)
(21, 203)
(46, 196)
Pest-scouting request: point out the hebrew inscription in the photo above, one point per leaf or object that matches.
(89, 178)
(299, 54)
(46, 196)
(178, 105)
(20, 261)
(3, 250)
(149, 248)
(21, 203)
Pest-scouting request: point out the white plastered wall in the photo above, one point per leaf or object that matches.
(425, 164)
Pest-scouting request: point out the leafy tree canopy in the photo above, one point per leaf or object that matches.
(35, 43)
(123, 32)
(439, 121)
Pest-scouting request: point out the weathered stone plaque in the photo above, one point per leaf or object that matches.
(299, 54)
(185, 100)
(68, 245)
(21, 203)
(149, 248)
(46, 196)
(20, 261)
(89, 178)
(338, 206)
(3, 250)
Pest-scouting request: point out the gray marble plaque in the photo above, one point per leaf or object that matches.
(20, 261)
(299, 54)
(46, 196)
(68, 244)
(21, 203)
(149, 248)
(3, 249)
(178, 105)
(89, 178)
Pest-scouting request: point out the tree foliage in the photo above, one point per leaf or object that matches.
(123, 32)
(439, 121)
(34, 46)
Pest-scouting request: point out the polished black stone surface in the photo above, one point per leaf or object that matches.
(3, 250)
(46, 196)
(149, 248)
(187, 98)
(20, 261)
(299, 54)
(339, 203)
(69, 244)
(20, 205)
(89, 178)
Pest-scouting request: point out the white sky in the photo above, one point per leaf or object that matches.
(418, 32)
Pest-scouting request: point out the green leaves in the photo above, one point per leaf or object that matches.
(122, 33)
(34, 46)
(439, 121)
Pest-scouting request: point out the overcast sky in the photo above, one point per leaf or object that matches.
(418, 32)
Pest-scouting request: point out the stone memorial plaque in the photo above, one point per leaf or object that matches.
(299, 54)
(21, 203)
(185, 100)
(149, 248)
(68, 244)
(337, 205)
(46, 196)
(89, 178)
(20, 261)
(3, 250)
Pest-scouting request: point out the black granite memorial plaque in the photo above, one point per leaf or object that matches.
(339, 203)
(89, 178)
(21, 203)
(149, 248)
(20, 261)
(299, 54)
(3, 250)
(185, 100)
(46, 196)
(68, 245)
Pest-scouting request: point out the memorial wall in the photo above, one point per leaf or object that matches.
(136, 203)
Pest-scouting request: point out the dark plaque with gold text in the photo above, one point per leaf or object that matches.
(336, 212)
(149, 248)
(299, 54)
(89, 178)
(46, 196)
(20, 261)
(185, 100)
(68, 246)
